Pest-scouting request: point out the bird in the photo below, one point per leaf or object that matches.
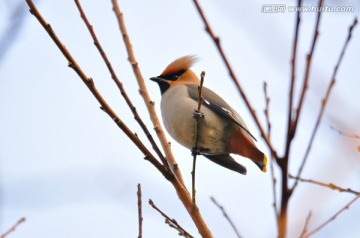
(221, 131)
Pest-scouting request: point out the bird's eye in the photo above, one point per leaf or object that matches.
(173, 77)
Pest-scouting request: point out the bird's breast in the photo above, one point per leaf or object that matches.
(177, 110)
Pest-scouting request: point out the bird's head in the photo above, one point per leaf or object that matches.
(177, 72)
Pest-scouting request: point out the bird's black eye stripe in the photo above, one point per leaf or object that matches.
(173, 77)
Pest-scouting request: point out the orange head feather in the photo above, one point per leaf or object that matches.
(181, 64)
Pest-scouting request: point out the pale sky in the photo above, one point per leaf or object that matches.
(67, 168)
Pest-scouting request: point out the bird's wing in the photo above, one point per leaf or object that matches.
(228, 162)
(218, 105)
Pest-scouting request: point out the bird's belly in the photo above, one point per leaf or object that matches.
(180, 124)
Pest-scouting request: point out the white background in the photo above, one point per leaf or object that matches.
(67, 168)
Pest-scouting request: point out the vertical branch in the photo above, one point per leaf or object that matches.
(308, 66)
(139, 210)
(292, 122)
(325, 100)
(273, 178)
(145, 95)
(291, 129)
(197, 115)
(119, 84)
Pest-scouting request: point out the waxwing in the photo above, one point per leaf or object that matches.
(221, 132)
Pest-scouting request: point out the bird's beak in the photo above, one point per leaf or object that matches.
(156, 79)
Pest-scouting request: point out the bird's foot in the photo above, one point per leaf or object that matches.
(197, 114)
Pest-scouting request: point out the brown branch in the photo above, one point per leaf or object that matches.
(178, 183)
(306, 225)
(345, 134)
(145, 95)
(273, 178)
(290, 128)
(139, 210)
(331, 218)
(328, 185)
(309, 58)
(13, 228)
(233, 77)
(91, 86)
(197, 115)
(171, 222)
(119, 84)
(324, 101)
(226, 216)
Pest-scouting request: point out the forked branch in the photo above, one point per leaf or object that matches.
(119, 83)
(171, 222)
(325, 100)
(144, 93)
(91, 86)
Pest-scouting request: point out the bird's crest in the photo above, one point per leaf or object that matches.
(180, 64)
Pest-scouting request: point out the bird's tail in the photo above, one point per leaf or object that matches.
(262, 164)
(228, 162)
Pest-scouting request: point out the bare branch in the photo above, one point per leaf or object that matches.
(178, 182)
(197, 115)
(328, 185)
(291, 129)
(145, 95)
(171, 222)
(91, 86)
(308, 67)
(325, 100)
(119, 84)
(273, 178)
(331, 218)
(306, 225)
(13, 228)
(345, 134)
(139, 210)
(226, 216)
(233, 77)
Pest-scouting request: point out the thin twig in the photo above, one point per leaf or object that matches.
(145, 95)
(295, 119)
(119, 84)
(325, 100)
(197, 115)
(328, 185)
(13, 228)
(171, 222)
(273, 178)
(226, 216)
(91, 86)
(331, 218)
(309, 58)
(306, 225)
(290, 129)
(233, 77)
(139, 210)
(345, 134)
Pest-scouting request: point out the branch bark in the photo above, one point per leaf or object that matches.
(145, 95)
